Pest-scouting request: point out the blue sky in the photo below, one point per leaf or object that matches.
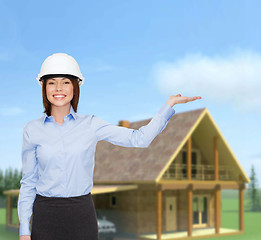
(133, 55)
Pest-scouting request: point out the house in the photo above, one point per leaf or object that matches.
(170, 190)
(178, 180)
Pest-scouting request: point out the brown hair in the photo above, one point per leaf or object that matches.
(76, 91)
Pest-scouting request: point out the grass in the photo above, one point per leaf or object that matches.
(229, 219)
(230, 216)
(6, 235)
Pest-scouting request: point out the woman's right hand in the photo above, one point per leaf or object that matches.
(25, 237)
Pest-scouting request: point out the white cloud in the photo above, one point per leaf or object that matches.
(234, 79)
(11, 111)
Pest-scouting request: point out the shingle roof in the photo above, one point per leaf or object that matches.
(121, 164)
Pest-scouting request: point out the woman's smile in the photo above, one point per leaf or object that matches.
(59, 96)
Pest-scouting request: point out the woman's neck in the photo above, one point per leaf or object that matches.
(59, 112)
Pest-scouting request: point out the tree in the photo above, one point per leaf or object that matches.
(16, 179)
(9, 178)
(2, 186)
(253, 191)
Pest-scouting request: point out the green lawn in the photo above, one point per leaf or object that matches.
(229, 220)
(6, 235)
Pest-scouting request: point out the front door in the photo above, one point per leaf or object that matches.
(200, 211)
(171, 213)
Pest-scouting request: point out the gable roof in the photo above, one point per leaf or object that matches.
(114, 164)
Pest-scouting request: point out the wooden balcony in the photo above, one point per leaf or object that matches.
(198, 172)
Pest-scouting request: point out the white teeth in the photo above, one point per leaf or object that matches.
(59, 96)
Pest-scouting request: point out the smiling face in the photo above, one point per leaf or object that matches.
(59, 91)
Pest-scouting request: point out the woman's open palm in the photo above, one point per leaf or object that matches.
(175, 99)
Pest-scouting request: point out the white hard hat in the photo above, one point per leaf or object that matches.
(60, 63)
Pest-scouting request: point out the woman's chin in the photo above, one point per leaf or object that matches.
(59, 103)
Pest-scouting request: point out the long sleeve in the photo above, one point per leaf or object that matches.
(28, 182)
(128, 137)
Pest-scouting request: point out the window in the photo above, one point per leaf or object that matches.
(195, 161)
(113, 201)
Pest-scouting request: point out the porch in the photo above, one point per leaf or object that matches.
(206, 232)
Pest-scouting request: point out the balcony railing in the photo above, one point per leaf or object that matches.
(198, 172)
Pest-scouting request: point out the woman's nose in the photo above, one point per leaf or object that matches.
(59, 86)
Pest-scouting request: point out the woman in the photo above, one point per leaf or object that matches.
(58, 156)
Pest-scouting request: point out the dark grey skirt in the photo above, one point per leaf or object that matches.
(59, 218)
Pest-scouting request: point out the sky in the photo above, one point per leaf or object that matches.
(134, 55)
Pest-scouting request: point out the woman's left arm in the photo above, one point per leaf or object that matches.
(141, 138)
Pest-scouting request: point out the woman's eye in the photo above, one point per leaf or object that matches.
(53, 83)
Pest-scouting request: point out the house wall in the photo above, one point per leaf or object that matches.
(147, 209)
(123, 214)
(147, 205)
(136, 210)
(182, 213)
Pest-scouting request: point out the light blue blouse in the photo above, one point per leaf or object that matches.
(58, 160)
